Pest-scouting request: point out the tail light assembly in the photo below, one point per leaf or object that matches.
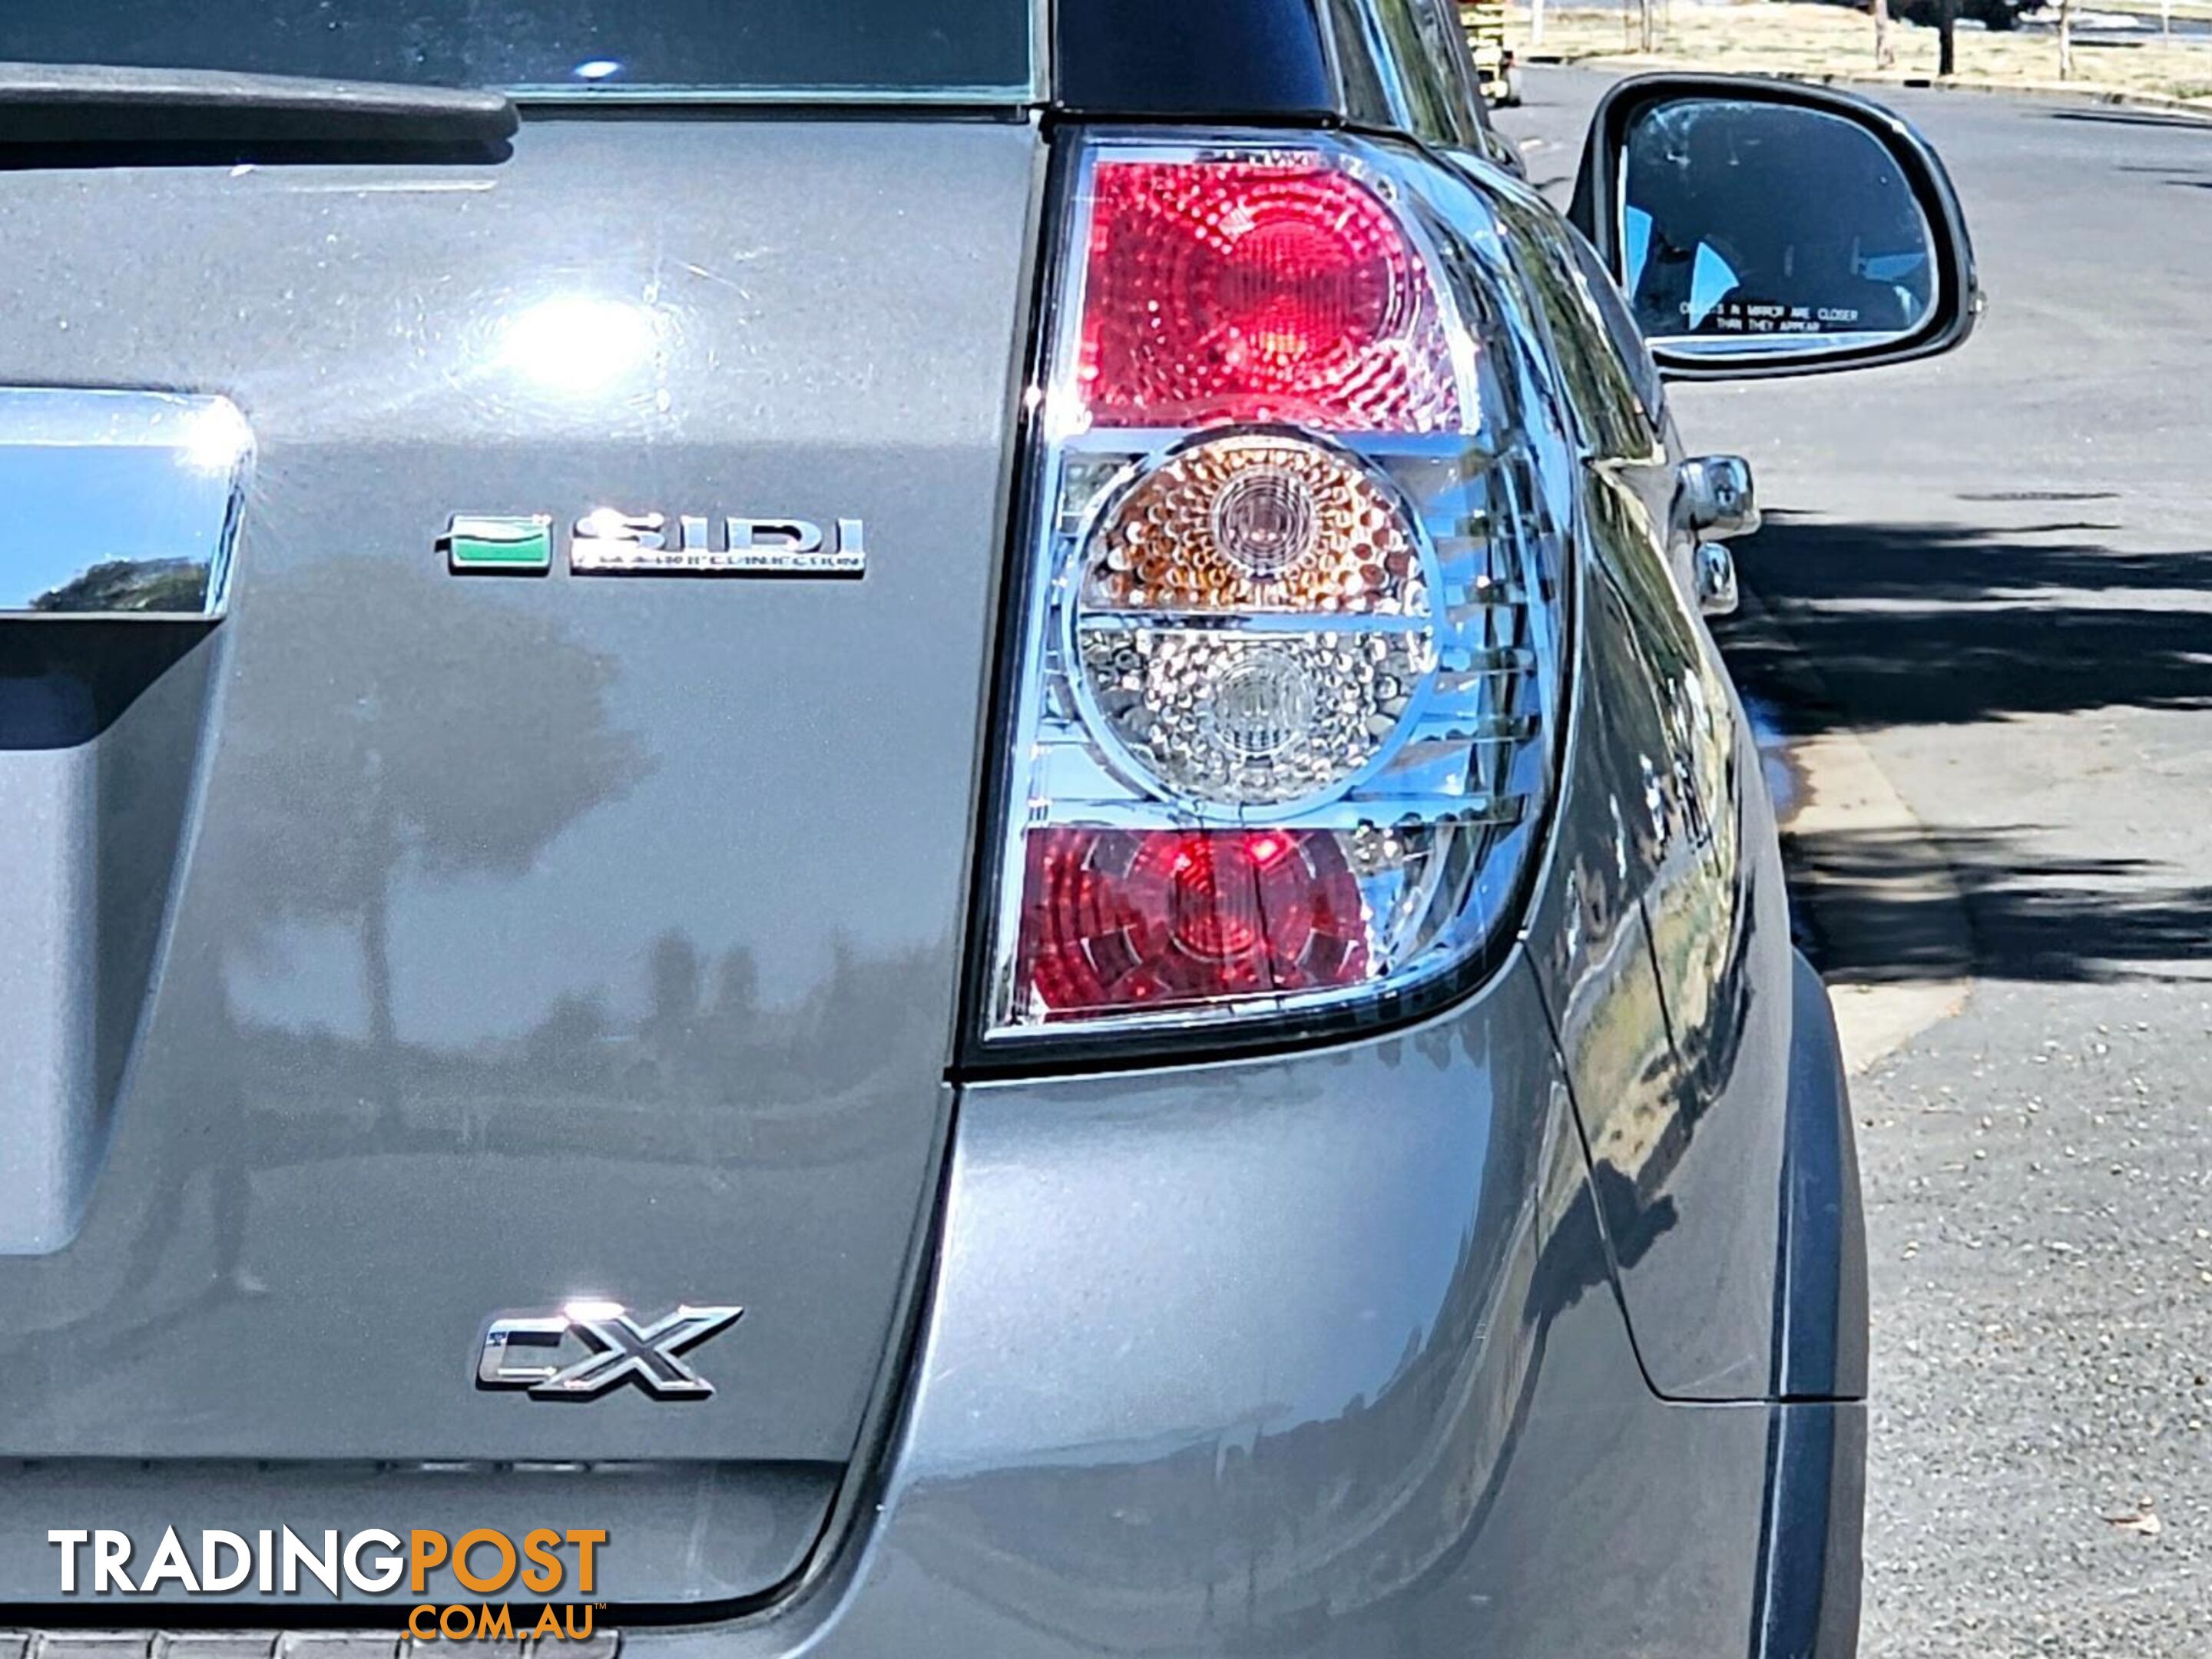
(1286, 661)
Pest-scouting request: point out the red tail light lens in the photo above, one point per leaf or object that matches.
(1244, 291)
(1118, 919)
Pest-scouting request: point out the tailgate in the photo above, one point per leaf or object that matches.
(409, 948)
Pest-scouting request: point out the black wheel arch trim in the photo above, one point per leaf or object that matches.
(1811, 1564)
(1820, 1281)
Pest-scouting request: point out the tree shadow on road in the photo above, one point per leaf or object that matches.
(1879, 914)
(2113, 118)
(1946, 625)
(1942, 625)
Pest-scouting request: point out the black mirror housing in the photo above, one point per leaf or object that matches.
(1732, 181)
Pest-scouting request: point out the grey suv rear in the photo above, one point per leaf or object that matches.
(917, 806)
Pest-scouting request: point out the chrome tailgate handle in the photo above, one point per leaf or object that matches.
(120, 504)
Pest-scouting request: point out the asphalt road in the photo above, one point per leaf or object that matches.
(1999, 566)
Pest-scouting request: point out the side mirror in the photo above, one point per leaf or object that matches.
(1763, 227)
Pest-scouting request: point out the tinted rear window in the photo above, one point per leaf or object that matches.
(846, 48)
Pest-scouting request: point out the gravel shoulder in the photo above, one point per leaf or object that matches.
(1823, 42)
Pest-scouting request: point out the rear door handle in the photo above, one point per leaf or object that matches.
(1714, 497)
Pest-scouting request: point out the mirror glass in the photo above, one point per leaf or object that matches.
(1750, 228)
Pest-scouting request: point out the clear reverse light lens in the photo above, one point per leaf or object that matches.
(1255, 621)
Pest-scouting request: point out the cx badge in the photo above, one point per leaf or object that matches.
(588, 1347)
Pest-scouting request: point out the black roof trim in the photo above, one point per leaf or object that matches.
(1260, 60)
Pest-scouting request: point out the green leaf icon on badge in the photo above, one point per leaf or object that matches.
(515, 544)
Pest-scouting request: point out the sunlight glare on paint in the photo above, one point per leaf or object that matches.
(579, 343)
